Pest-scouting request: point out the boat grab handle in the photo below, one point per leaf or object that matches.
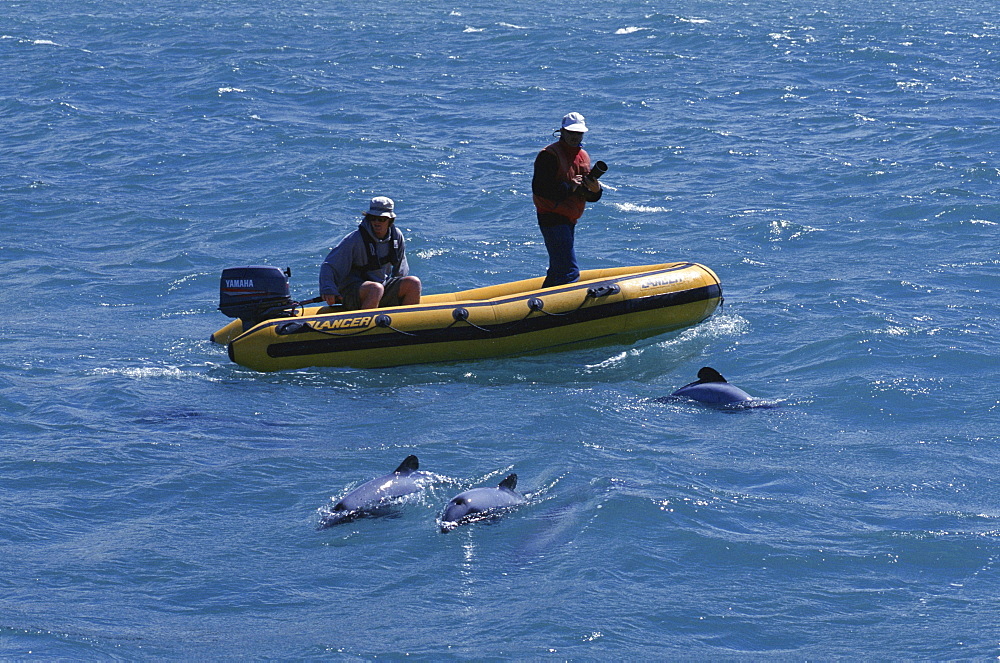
(604, 290)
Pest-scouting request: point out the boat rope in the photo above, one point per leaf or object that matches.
(297, 327)
(384, 320)
(462, 315)
(459, 314)
(536, 304)
(299, 308)
(303, 327)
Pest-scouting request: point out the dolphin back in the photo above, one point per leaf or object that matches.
(713, 393)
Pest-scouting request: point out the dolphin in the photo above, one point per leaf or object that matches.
(374, 497)
(465, 507)
(712, 389)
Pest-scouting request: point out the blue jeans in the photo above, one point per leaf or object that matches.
(562, 257)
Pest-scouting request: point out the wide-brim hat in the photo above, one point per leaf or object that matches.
(382, 206)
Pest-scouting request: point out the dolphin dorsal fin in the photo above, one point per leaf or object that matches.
(510, 483)
(709, 374)
(410, 464)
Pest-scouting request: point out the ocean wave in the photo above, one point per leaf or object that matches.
(644, 209)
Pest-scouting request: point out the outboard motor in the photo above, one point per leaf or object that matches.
(255, 293)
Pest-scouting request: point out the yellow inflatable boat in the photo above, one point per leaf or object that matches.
(506, 319)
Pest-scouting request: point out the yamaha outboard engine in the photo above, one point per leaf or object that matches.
(255, 293)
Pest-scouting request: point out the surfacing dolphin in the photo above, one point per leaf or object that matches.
(481, 503)
(712, 389)
(376, 497)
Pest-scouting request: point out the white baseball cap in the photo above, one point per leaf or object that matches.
(382, 206)
(574, 122)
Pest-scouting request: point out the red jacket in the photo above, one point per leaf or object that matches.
(556, 197)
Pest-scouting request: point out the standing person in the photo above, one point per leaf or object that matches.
(561, 187)
(368, 269)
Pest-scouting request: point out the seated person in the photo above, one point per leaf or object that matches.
(368, 268)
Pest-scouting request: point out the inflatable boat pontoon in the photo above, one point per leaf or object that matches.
(273, 334)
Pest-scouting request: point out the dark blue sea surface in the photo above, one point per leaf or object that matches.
(835, 163)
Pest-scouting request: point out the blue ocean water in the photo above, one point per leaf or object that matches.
(836, 165)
